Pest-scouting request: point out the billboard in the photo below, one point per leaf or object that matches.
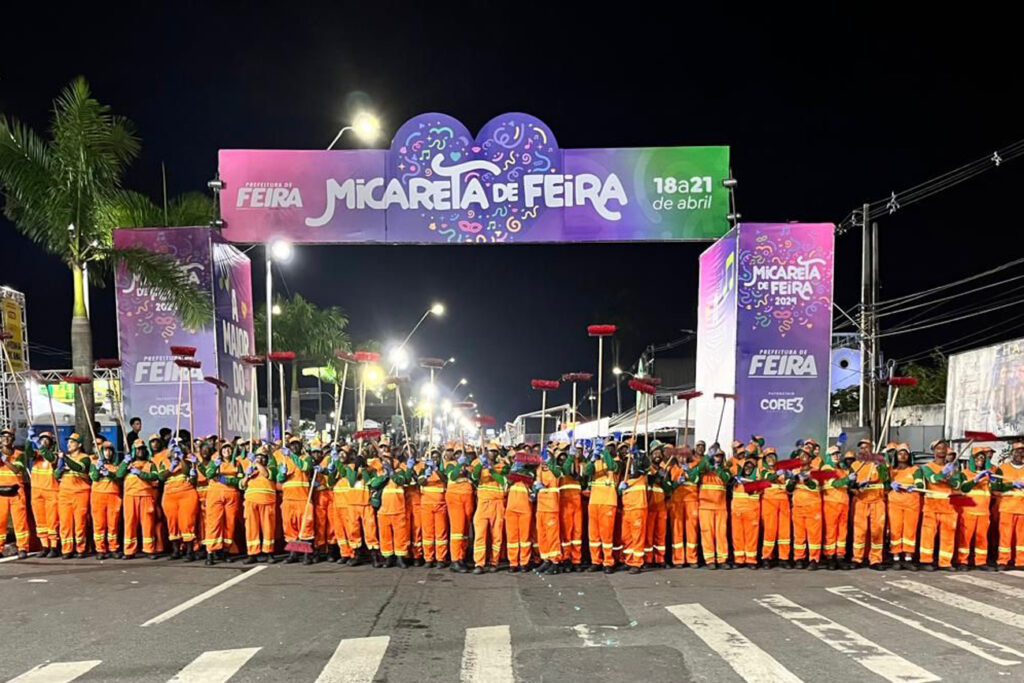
(439, 184)
(233, 314)
(716, 339)
(985, 390)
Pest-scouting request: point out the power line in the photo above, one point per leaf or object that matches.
(929, 325)
(884, 305)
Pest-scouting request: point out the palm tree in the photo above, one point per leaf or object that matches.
(313, 333)
(64, 193)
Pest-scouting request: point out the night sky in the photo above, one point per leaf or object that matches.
(820, 118)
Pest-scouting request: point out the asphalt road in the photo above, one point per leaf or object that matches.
(87, 620)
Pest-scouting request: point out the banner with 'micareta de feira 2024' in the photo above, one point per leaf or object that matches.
(440, 184)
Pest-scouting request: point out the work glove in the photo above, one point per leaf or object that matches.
(462, 460)
(317, 470)
(286, 450)
(979, 476)
(331, 467)
(222, 479)
(544, 454)
(104, 472)
(681, 480)
(662, 473)
(623, 486)
(595, 455)
(896, 486)
(948, 469)
(60, 462)
(537, 486)
(1019, 484)
(252, 468)
(135, 470)
(410, 463)
(127, 457)
(217, 461)
(334, 453)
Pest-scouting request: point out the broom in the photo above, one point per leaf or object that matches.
(600, 331)
(81, 379)
(189, 364)
(110, 364)
(253, 361)
(756, 486)
(305, 543)
(688, 396)
(220, 385)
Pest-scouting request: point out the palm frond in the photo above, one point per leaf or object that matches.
(191, 208)
(161, 274)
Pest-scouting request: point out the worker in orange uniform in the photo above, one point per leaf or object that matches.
(602, 474)
(413, 506)
(836, 495)
(200, 461)
(180, 499)
(776, 514)
(806, 511)
(72, 471)
(683, 504)
(13, 501)
(297, 467)
(519, 513)
(570, 507)
(223, 498)
(656, 525)
(141, 484)
(938, 517)
(746, 513)
(392, 517)
(633, 522)
(257, 485)
(713, 475)
(458, 498)
(488, 475)
(433, 510)
(1010, 485)
(973, 520)
(41, 456)
(868, 480)
(907, 481)
(323, 504)
(548, 494)
(105, 501)
(354, 519)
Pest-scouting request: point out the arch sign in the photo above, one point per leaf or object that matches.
(439, 184)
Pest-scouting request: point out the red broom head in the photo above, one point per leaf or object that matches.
(641, 386)
(187, 363)
(367, 356)
(5, 335)
(544, 384)
(980, 436)
(252, 360)
(77, 379)
(108, 363)
(398, 380)
(517, 478)
(577, 377)
(367, 434)
(188, 351)
(524, 458)
(962, 501)
(790, 464)
(600, 330)
(821, 476)
(756, 486)
(690, 395)
(219, 383)
(903, 381)
(485, 420)
(342, 354)
(464, 405)
(435, 363)
(281, 356)
(656, 381)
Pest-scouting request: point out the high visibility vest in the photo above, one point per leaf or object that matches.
(910, 500)
(569, 488)
(518, 497)
(688, 490)
(547, 497)
(296, 485)
(936, 494)
(712, 492)
(460, 483)
(488, 487)
(11, 477)
(805, 497)
(134, 486)
(228, 468)
(635, 495)
(41, 476)
(743, 501)
(870, 487)
(75, 481)
(1012, 501)
(177, 479)
(603, 485)
(105, 484)
(433, 490)
(259, 489)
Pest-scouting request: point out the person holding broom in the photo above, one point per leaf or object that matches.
(13, 501)
(72, 471)
(141, 486)
(224, 473)
(261, 473)
(105, 501)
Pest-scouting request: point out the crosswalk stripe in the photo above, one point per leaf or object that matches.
(868, 654)
(864, 599)
(753, 664)
(487, 655)
(355, 660)
(215, 666)
(58, 672)
(13, 558)
(1011, 591)
(979, 608)
(1016, 573)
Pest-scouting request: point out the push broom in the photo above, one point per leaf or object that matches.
(339, 392)
(281, 357)
(721, 415)
(115, 407)
(180, 353)
(188, 365)
(253, 361)
(688, 396)
(543, 386)
(642, 387)
(575, 378)
(600, 331)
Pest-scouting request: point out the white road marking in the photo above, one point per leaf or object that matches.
(753, 664)
(871, 656)
(12, 558)
(175, 611)
(59, 672)
(981, 645)
(355, 660)
(981, 609)
(1014, 572)
(215, 666)
(487, 655)
(990, 585)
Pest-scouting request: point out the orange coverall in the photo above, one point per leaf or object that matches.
(837, 512)
(657, 520)
(295, 493)
(938, 516)
(806, 520)
(354, 518)
(712, 512)
(222, 503)
(180, 501)
(392, 518)
(16, 506)
(1011, 517)
(602, 509)
(260, 501)
(682, 514)
(489, 519)
(746, 524)
(105, 505)
(775, 518)
(869, 510)
(414, 514)
(973, 523)
(458, 498)
(904, 512)
(570, 512)
(549, 498)
(44, 501)
(634, 520)
(73, 505)
(140, 506)
(518, 520)
(433, 515)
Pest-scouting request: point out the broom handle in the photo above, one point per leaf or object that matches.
(17, 385)
(191, 413)
(177, 421)
(252, 411)
(53, 415)
(92, 430)
(339, 404)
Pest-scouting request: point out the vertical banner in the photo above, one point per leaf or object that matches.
(784, 331)
(148, 326)
(716, 339)
(985, 390)
(232, 298)
(12, 313)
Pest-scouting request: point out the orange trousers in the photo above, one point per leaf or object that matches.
(488, 523)
(837, 522)
(394, 534)
(181, 509)
(139, 511)
(776, 519)
(517, 531)
(435, 532)
(549, 536)
(201, 519)
(973, 528)
(903, 529)
(942, 523)
(746, 526)
(221, 515)
(415, 523)
(460, 513)
(807, 533)
(106, 516)
(683, 517)
(868, 529)
(713, 535)
(354, 524)
(291, 518)
(633, 532)
(602, 534)
(570, 531)
(44, 511)
(73, 511)
(656, 527)
(259, 523)
(323, 504)
(1011, 524)
(16, 508)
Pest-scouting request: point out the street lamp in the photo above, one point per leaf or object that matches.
(365, 125)
(460, 383)
(399, 358)
(279, 250)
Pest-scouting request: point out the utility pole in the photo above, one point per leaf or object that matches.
(875, 355)
(865, 316)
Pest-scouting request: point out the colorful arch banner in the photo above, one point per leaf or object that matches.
(439, 184)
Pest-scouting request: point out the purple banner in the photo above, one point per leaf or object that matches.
(784, 299)
(716, 340)
(232, 297)
(148, 326)
(438, 183)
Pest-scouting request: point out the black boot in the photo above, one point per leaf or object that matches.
(544, 567)
(175, 551)
(458, 567)
(401, 563)
(291, 559)
(190, 556)
(209, 559)
(252, 559)
(307, 559)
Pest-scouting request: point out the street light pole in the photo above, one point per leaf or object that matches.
(270, 347)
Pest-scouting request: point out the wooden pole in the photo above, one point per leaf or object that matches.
(340, 402)
(181, 379)
(191, 415)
